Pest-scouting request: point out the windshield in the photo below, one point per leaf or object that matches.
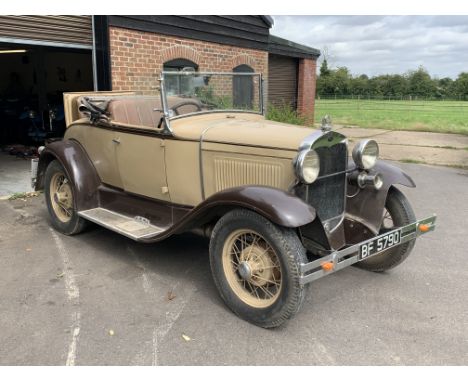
(190, 92)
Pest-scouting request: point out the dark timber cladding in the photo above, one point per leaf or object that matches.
(283, 47)
(243, 31)
(282, 80)
(74, 31)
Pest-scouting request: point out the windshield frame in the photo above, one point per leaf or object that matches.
(165, 107)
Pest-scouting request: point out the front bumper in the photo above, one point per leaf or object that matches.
(343, 258)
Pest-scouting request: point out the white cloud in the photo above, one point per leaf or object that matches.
(384, 44)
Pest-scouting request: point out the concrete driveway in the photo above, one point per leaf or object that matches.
(101, 299)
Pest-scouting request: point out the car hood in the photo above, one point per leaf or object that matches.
(240, 129)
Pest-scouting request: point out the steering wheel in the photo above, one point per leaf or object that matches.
(184, 103)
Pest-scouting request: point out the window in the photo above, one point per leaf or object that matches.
(243, 88)
(177, 84)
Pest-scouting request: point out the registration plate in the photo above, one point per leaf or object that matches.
(379, 244)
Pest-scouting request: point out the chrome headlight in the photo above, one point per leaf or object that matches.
(366, 153)
(307, 166)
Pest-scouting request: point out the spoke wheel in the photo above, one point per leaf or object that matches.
(252, 268)
(61, 197)
(256, 267)
(387, 222)
(397, 213)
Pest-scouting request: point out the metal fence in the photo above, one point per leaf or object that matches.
(389, 104)
(423, 114)
(461, 98)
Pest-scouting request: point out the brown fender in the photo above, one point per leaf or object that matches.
(367, 206)
(79, 168)
(276, 205)
(393, 175)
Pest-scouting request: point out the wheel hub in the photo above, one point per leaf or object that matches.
(245, 271)
(256, 265)
(62, 197)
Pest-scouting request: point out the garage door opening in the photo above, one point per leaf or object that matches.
(33, 79)
(33, 82)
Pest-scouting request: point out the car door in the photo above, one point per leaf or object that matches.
(100, 146)
(141, 163)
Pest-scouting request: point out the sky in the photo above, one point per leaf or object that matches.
(376, 45)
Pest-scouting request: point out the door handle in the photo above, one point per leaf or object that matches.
(116, 140)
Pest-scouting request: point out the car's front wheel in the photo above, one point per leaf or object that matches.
(59, 195)
(397, 213)
(255, 266)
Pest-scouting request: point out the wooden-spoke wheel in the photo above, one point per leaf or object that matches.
(252, 268)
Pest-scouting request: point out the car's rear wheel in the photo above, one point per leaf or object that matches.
(59, 196)
(397, 213)
(255, 266)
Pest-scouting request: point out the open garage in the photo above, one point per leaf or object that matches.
(40, 58)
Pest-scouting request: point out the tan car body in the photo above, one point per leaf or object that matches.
(237, 149)
(205, 162)
(282, 205)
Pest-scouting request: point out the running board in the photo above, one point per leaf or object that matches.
(136, 228)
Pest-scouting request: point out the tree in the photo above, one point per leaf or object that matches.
(444, 87)
(420, 83)
(327, 55)
(376, 86)
(324, 71)
(336, 82)
(341, 81)
(397, 85)
(359, 85)
(461, 85)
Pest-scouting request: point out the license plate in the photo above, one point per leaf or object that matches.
(379, 244)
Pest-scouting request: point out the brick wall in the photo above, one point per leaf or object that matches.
(137, 58)
(306, 88)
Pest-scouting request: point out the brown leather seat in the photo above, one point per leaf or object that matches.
(135, 110)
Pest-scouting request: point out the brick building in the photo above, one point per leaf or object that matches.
(141, 46)
(44, 56)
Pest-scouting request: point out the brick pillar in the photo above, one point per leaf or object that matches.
(306, 88)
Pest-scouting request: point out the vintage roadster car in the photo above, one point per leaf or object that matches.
(282, 205)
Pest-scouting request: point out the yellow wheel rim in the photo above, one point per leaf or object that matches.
(61, 197)
(252, 268)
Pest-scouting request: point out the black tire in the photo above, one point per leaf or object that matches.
(402, 214)
(75, 224)
(287, 248)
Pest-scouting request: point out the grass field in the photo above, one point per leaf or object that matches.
(435, 116)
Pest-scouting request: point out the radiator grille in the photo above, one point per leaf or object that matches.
(234, 172)
(327, 193)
